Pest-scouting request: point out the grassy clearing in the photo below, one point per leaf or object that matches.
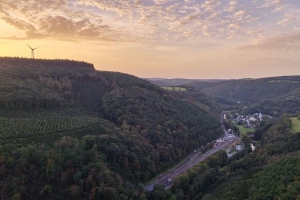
(243, 130)
(295, 124)
(181, 89)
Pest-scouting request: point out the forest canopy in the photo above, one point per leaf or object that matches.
(82, 133)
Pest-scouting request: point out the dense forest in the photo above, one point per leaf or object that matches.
(271, 171)
(69, 131)
(180, 81)
(274, 95)
(275, 107)
(249, 91)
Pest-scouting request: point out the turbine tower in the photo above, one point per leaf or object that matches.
(32, 50)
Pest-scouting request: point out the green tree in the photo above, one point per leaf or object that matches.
(246, 140)
(159, 195)
(222, 157)
(179, 195)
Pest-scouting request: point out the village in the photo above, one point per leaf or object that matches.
(248, 121)
(244, 124)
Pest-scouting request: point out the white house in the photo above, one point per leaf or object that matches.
(260, 116)
(238, 148)
(252, 147)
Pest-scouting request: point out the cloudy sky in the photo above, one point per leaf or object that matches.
(159, 38)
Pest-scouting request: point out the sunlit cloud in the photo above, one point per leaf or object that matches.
(227, 25)
(138, 20)
(286, 21)
(277, 43)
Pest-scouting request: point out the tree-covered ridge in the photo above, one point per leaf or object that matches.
(276, 107)
(70, 169)
(28, 84)
(125, 80)
(202, 100)
(59, 85)
(269, 172)
(170, 125)
(135, 129)
(279, 180)
(250, 91)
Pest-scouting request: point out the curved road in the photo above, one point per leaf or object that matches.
(192, 160)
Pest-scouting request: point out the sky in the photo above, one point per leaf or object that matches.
(205, 39)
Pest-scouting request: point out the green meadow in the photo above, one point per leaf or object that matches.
(295, 124)
(243, 130)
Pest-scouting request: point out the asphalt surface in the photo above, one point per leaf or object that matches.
(194, 159)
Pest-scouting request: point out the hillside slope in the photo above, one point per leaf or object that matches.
(253, 90)
(179, 81)
(265, 94)
(122, 129)
(271, 171)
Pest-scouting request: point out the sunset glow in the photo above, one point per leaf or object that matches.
(159, 38)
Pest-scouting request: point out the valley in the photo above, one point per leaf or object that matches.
(69, 131)
(149, 100)
(193, 159)
(81, 130)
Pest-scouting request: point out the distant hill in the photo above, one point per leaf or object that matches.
(272, 95)
(275, 107)
(251, 90)
(178, 81)
(281, 91)
(86, 133)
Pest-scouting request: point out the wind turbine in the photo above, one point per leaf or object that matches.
(32, 50)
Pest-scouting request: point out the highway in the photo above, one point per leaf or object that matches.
(192, 160)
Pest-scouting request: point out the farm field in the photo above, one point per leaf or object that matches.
(175, 89)
(295, 124)
(36, 124)
(243, 130)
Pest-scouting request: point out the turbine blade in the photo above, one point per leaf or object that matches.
(29, 46)
(36, 48)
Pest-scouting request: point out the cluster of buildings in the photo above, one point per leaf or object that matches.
(237, 148)
(249, 120)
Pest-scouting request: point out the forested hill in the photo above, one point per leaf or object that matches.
(42, 84)
(271, 171)
(250, 91)
(69, 131)
(179, 81)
